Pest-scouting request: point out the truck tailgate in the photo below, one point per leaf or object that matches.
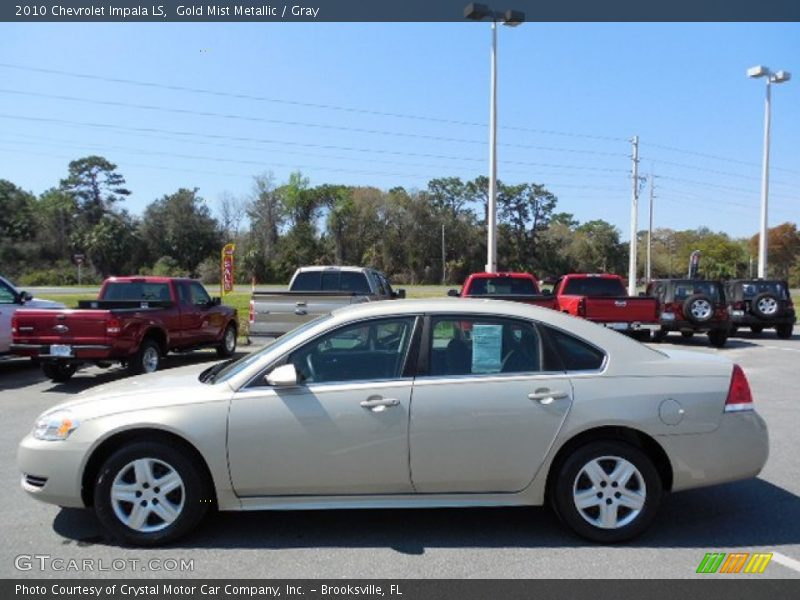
(61, 326)
(622, 310)
(277, 313)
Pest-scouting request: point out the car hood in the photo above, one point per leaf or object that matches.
(156, 390)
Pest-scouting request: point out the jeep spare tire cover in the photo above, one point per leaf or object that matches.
(698, 308)
(765, 305)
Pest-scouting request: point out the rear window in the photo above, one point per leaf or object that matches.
(306, 282)
(684, 289)
(134, 290)
(502, 286)
(594, 286)
(754, 288)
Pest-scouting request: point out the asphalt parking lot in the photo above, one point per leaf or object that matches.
(761, 515)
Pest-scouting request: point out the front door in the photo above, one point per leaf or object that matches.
(342, 430)
(488, 409)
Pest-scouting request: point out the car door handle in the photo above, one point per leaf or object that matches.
(546, 396)
(379, 404)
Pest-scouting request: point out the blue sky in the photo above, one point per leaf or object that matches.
(397, 104)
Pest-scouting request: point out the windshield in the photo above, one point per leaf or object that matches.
(502, 286)
(230, 369)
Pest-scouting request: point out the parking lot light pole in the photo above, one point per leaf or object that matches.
(512, 18)
(777, 77)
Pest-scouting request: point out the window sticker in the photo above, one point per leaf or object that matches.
(487, 347)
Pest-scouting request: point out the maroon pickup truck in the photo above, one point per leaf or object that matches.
(602, 298)
(134, 321)
(515, 286)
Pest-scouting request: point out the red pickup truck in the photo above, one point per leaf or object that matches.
(134, 321)
(519, 287)
(602, 298)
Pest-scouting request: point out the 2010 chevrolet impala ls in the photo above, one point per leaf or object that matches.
(408, 404)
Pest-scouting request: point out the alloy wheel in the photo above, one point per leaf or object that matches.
(609, 492)
(147, 495)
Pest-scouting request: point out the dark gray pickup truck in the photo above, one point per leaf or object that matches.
(316, 291)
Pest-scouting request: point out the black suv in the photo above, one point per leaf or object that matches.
(689, 306)
(761, 304)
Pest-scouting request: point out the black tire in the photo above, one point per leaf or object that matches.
(570, 478)
(766, 306)
(757, 329)
(734, 330)
(784, 331)
(687, 335)
(143, 360)
(226, 347)
(698, 309)
(193, 498)
(718, 338)
(60, 372)
(659, 336)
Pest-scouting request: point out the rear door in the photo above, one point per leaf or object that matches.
(486, 408)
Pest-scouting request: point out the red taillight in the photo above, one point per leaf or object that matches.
(739, 396)
(13, 325)
(582, 307)
(113, 326)
(252, 316)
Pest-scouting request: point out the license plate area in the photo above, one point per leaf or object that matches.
(62, 350)
(618, 326)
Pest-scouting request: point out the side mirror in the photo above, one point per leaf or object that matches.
(283, 376)
(453, 293)
(25, 297)
(401, 294)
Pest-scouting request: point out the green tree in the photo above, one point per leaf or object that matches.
(96, 185)
(180, 226)
(111, 244)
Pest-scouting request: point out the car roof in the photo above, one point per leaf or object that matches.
(347, 268)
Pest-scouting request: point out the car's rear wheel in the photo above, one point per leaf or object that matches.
(756, 329)
(227, 346)
(687, 335)
(784, 331)
(150, 493)
(717, 338)
(607, 491)
(659, 335)
(59, 372)
(147, 359)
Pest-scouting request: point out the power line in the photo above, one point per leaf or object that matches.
(241, 96)
(715, 157)
(186, 111)
(659, 162)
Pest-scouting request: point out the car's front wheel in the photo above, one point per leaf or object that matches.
(784, 331)
(607, 491)
(227, 347)
(151, 493)
(718, 338)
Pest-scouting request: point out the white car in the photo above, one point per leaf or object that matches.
(11, 300)
(406, 404)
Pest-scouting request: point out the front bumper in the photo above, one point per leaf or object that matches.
(737, 449)
(51, 471)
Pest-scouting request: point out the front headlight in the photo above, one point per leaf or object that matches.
(56, 425)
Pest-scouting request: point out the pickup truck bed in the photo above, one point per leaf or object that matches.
(275, 313)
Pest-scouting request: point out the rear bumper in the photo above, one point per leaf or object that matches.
(683, 325)
(624, 326)
(737, 449)
(747, 319)
(79, 351)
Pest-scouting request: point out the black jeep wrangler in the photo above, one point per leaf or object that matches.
(760, 304)
(689, 306)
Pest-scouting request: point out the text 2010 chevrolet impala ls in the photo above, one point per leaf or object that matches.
(433, 403)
